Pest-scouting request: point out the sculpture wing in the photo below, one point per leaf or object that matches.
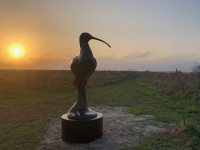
(82, 70)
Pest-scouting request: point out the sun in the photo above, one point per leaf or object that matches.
(17, 50)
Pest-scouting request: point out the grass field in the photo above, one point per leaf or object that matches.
(29, 99)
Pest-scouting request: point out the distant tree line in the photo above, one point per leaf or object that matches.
(196, 71)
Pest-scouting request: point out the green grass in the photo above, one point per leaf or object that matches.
(29, 99)
(26, 109)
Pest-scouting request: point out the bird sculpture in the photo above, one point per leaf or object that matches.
(82, 67)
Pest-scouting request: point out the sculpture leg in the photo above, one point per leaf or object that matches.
(80, 110)
(81, 98)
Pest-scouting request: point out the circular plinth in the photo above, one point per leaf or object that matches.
(81, 131)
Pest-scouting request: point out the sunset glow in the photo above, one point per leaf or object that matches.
(144, 35)
(17, 51)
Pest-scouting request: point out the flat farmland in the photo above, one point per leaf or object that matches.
(29, 99)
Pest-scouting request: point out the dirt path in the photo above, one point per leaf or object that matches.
(121, 130)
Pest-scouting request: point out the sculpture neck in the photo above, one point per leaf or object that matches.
(85, 52)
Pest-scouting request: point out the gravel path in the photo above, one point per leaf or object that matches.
(121, 129)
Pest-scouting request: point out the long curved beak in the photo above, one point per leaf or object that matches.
(101, 41)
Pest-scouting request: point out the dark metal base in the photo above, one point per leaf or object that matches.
(81, 131)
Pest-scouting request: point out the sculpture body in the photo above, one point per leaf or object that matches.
(83, 67)
(81, 124)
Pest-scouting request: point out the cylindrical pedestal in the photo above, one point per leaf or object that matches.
(81, 131)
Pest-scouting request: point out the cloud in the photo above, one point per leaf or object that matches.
(144, 54)
(139, 55)
(36, 63)
(143, 61)
(139, 61)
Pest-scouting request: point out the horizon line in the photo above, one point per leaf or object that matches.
(13, 69)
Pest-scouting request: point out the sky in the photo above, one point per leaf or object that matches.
(151, 35)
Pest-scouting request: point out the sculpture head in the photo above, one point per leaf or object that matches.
(86, 37)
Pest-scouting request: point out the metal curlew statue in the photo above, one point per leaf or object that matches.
(82, 67)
